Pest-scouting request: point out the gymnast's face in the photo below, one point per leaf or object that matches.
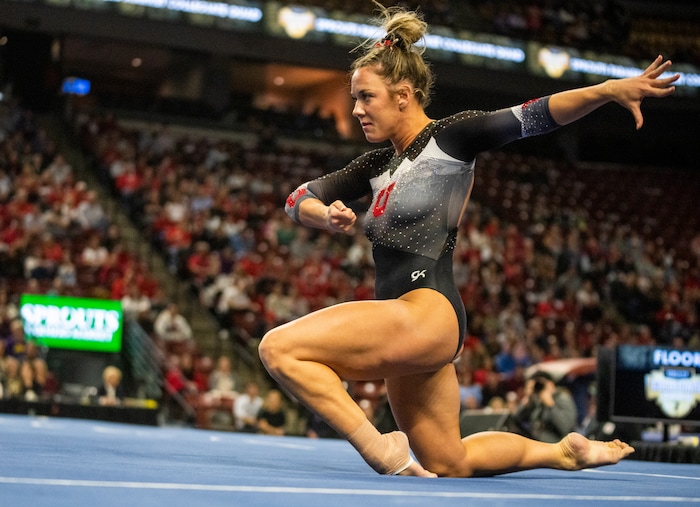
(376, 107)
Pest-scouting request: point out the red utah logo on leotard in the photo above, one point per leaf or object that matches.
(382, 200)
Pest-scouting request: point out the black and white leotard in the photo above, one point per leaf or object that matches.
(418, 196)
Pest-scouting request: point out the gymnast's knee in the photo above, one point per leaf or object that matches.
(447, 468)
(272, 351)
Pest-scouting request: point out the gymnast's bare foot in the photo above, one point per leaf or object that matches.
(579, 452)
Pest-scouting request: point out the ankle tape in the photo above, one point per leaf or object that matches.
(387, 454)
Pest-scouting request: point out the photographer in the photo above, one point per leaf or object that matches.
(547, 413)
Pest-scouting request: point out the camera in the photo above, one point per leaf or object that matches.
(540, 380)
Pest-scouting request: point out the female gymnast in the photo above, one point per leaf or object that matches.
(411, 334)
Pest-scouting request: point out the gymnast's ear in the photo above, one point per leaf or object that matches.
(404, 92)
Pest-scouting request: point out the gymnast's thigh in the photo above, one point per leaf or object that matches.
(374, 339)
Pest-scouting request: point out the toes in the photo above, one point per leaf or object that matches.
(415, 470)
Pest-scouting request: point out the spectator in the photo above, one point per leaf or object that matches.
(5, 185)
(67, 271)
(222, 380)
(8, 310)
(234, 301)
(15, 342)
(547, 412)
(316, 427)
(46, 379)
(136, 304)
(198, 264)
(110, 393)
(94, 255)
(3, 361)
(588, 301)
(492, 388)
(179, 390)
(32, 353)
(55, 219)
(12, 385)
(470, 396)
(279, 305)
(246, 409)
(120, 278)
(271, 418)
(195, 370)
(171, 326)
(36, 265)
(90, 214)
(59, 171)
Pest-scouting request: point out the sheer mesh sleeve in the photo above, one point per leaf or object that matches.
(468, 133)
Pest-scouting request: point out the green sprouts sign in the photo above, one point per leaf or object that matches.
(72, 323)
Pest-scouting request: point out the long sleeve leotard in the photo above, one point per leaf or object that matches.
(418, 197)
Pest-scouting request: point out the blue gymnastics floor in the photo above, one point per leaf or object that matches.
(77, 463)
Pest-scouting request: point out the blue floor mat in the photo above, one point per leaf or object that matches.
(77, 463)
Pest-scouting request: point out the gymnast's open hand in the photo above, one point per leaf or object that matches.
(629, 92)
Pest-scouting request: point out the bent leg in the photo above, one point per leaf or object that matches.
(360, 340)
(426, 407)
(322, 390)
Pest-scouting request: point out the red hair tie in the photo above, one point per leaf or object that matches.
(389, 40)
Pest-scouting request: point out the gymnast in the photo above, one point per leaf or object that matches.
(410, 335)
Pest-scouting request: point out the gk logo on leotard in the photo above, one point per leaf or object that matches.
(417, 274)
